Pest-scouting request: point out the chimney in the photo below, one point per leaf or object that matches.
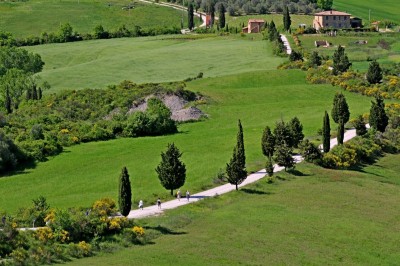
(331, 11)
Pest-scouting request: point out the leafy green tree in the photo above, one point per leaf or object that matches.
(315, 59)
(374, 74)
(286, 18)
(359, 125)
(296, 129)
(159, 118)
(295, 56)
(171, 170)
(378, 118)
(236, 168)
(268, 148)
(310, 152)
(340, 114)
(283, 134)
(12, 86)
(66, 33)
(283, 156)
(18, 58)
(341, 62)
(325, 4)
(326, 133)
(221, 16)
(190, 16)
(124, 193)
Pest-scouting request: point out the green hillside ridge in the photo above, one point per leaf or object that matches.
(315, 217)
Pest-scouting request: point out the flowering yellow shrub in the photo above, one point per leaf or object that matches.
(64, 131)
(51, 216)
(116, 223)
(44, 234)
(62, 236)
(85, 248)
(104, 207)
(75, 139)
(138, 230)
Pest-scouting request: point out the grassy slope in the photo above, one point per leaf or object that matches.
(323, 217)
(87, 172)
(380, 10)
(102, 62)
(36, 16)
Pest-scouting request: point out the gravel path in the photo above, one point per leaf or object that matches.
(286, 44)
(154, 211)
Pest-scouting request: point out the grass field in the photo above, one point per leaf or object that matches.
(358, 53)
(380, 10)
(95, 64)
(33, 17)
(90, 171)
(319, 217)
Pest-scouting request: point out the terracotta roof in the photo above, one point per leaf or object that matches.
(256, 20)
(331, 13)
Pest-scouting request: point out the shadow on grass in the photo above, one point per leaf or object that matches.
(296, 172)
(164, 230)
(254, 191)
(20, 169)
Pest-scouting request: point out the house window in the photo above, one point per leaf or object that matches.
(334, 17)
(326, 24)
(326, 17)
(340, 25)
(345, 18)
(339, 18)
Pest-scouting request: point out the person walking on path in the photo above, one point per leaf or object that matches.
(187, 195)
(178, 195)
(159, 203)
(141, 204)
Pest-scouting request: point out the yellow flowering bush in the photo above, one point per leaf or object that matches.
(64, 131)
(116, 223)
(44, 234)
(104, 207)
(138, 230)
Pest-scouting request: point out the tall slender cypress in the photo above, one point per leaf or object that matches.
(326, 133)
(340, 114)
(221, 16)
(125, 193)
(236, 168)
(378, 118)
(286, 19)
(190, 16)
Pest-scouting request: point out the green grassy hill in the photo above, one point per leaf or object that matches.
(33, 17)
(87, 172)
(319, 217)
(378, 10)
(95, 64)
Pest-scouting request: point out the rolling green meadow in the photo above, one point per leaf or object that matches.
(31, 18)
(315, 217)
(380, 10)
(257, 98)
(310, 216)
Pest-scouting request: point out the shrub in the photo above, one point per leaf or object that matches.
(311, 152)
(80, 250)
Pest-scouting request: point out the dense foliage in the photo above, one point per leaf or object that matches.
(124, 193)
(377, 115)
(72, 233)
(40, 128)
(340, 114)
(171, 170)
(326, 133)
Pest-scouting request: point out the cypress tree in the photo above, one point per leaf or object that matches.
(377, 115)
(315, 59)
(171, 171)
(326, 133)
(221, 16)
(286, 18)
(268, 148)
(340, 114)
(341, 62)
(296, 129)
(374, 74)
(283, 156)
(236, 168)
(28, 94)
(125, 193)
(40, 93)
(34, 93)
(190, 16)
(359, 125)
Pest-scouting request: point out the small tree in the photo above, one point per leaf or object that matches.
(296, 129)
(377, 115)
(341, 62)
(283, 134)
(283, 156)
(268, 148)
(325, 4)
(374, 74)
(171, 171)
(340, 114)
(125, 193)
(326, 133)
(286, 18)
(190, 16)
(221, 16)
(273, 33)
(359, 125)
(236, 168)
(311, 152)
(295, 56)
(315, 59)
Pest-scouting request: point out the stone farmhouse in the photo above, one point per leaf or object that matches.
(254, 26)
(331, 19)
